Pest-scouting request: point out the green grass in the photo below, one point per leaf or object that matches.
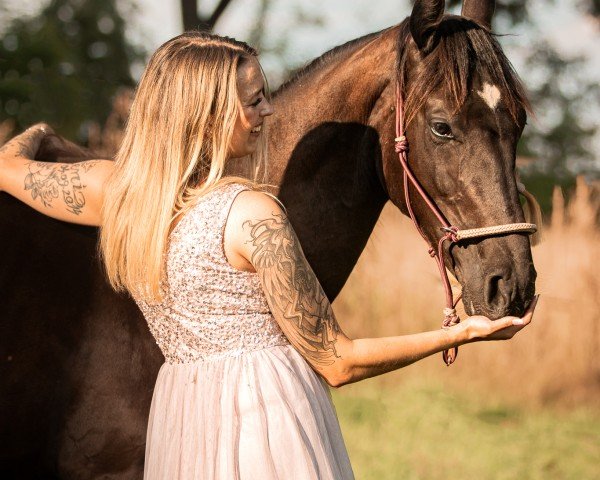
(421, 432)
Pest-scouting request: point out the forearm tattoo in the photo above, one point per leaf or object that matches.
(293, 290)
(49, 181)
(23, 145)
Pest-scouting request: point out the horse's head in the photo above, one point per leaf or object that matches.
(464, 111)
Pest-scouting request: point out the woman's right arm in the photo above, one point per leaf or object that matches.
(72, 192)
(267, 240)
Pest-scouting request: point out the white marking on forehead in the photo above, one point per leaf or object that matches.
(490, 95)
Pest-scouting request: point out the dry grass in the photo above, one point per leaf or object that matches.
(395, 289)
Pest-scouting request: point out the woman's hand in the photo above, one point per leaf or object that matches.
(24, 145)
(481, 328)
(27, 143)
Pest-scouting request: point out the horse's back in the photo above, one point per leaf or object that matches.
(77, 363)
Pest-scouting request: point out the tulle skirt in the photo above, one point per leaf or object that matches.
(259, 415)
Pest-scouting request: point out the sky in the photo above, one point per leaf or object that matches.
(558, 21)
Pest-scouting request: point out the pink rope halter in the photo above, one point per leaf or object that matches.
(451, 233)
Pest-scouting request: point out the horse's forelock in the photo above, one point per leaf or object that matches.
(463, 49)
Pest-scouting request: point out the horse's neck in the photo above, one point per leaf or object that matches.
(324, 145)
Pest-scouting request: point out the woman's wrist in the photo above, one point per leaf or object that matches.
(459, 334)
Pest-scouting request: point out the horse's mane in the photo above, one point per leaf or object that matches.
(460, 50)
(325, 59)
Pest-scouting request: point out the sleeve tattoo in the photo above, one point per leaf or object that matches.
(48, 181)
(293, 290)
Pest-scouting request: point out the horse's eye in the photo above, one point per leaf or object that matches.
(441, 129)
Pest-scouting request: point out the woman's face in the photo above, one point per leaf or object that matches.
(254, 107)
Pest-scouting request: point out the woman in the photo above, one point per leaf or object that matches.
(249, 337)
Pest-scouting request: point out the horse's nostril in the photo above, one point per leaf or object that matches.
(497, 292)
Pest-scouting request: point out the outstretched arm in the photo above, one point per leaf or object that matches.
(72, 192)
(267, 240)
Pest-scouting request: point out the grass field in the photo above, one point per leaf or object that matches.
(419, 431)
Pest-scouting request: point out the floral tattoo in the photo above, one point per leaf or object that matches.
(48, 181)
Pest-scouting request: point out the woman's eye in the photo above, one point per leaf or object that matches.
(442, 129)
(255, 103)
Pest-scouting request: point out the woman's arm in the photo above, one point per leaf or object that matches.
(267, 240)
(72, 192)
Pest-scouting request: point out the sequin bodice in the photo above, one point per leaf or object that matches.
(211, 309)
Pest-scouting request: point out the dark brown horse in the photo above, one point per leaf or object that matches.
(77, 363)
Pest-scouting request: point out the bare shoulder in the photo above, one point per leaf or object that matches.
(252, 212)
(253, 202)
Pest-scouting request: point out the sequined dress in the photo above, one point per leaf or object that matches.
(234, 399)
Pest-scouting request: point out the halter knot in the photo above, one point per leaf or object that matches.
(401, 144)
(450, 317)
(451, 233)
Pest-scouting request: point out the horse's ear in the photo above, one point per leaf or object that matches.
(424, 19)
(481, 11)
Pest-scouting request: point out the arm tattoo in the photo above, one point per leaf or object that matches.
(48, 181)
(293, 289)
(24, 145)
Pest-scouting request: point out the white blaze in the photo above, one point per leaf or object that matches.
(490, 95)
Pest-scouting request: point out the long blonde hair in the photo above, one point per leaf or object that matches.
(173, 152)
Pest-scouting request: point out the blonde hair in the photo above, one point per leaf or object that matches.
(173, 153)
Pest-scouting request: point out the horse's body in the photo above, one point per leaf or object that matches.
(78, 363)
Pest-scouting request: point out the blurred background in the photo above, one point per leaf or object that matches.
(522, 409)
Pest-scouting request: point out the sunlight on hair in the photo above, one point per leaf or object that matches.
(174, 152)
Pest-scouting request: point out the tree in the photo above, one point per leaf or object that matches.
(192, 20)
(65, 64)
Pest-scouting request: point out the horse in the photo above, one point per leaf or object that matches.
(78, 363)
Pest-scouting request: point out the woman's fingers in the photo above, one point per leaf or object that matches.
(43, 127)
(507, 322)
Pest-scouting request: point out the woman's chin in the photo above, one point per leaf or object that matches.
(242, 154)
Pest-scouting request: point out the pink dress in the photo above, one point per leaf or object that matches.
(234, 399)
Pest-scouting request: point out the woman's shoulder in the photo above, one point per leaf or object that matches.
(253, 203)
(252, 211)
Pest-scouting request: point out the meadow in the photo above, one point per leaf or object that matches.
(520, 409)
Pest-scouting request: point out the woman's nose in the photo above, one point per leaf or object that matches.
(267, 110)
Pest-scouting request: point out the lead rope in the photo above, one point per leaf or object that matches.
(452, 233)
